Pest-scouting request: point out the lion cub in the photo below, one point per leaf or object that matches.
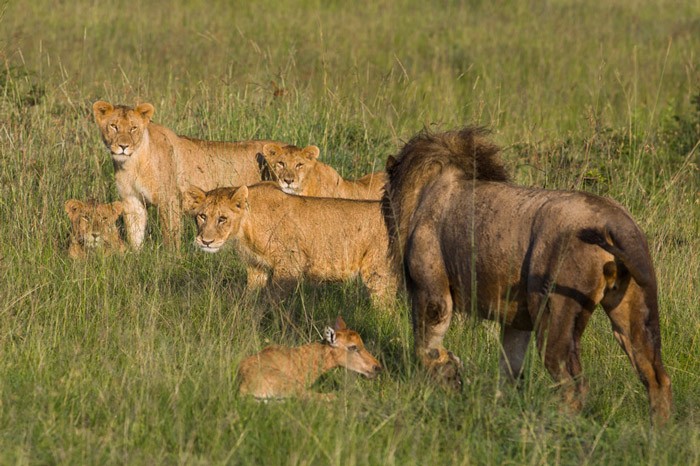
(280, 372)
(284, 238)
(93, 227)
(298, 171)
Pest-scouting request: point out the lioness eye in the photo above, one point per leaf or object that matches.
(202, 217)
(222, 220)
(299, 165)
(133, 128)
(113, 126)
(353, 348)
(280, 164)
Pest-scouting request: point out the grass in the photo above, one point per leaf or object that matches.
(132, 359)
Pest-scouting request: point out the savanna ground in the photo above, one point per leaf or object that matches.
(132, 359)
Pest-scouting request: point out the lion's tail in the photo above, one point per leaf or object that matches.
(628, 244)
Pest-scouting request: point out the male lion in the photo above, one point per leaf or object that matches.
(93, 227)
(284, 238)
(298, 171)
(532, 259)
(155, 166)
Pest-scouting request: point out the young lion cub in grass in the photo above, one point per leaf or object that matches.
(280, 372)
(284, 238)
(298, 171)
(93, 227)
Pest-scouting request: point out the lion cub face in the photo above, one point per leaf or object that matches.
(93, 226)
(291, 165)
(122, 127)
(219, 215)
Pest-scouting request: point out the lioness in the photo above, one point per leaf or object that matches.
(532, 259)
(284, 238)
(298, 171)
(93, 227)
(155, 166)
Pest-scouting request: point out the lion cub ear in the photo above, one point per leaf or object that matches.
(271, 150)
(117, 208)
(239, 198)
(193, 199)
(101, 110)
(146, 111)
(390, 162)
(73, 207)
(311, 152)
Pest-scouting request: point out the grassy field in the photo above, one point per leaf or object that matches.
(132, 359)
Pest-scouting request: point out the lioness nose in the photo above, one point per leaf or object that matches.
(288, 180)
(205, 242)
(124, 146)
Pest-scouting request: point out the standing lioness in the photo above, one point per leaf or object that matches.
(285, 238)
(155, 166)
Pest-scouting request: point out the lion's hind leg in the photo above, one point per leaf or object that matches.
(559, 328)
(635, 324)
(514, 346)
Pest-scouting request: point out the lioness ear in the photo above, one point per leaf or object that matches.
(339, 324)
(72, 207)
(311, 152)
(193, 198)
(101, 109)
(117, 208)
(145, 110)
(240, 196)
(271, 149)
(390, 162)
(329, 336)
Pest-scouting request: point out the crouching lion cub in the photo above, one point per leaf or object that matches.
(93, 227)
(298, 171)
(154, 166)
(284, 238)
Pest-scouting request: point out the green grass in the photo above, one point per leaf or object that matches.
(132, 359)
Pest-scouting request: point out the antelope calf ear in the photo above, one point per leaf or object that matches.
(193, 199)
(329, 336)
(339, 324)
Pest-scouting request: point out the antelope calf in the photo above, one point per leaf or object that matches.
(280, 372)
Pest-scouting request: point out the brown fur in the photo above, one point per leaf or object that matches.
(534, 259)
(154, 166)
(280, 372)
(284, 238)
(298, 171)
(93, 227)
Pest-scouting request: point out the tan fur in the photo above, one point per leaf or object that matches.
(93, 227)
(280, 372)
(154, 166)
(284, 238)
(298, 171)
(533, 259)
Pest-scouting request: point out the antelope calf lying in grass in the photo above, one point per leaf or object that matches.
(280, 372)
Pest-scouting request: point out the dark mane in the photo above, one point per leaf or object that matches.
(467, 148)
(425, 157)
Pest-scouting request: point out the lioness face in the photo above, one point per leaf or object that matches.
(122, 127)
(291, 165)
(93, 224)
(219, 215)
